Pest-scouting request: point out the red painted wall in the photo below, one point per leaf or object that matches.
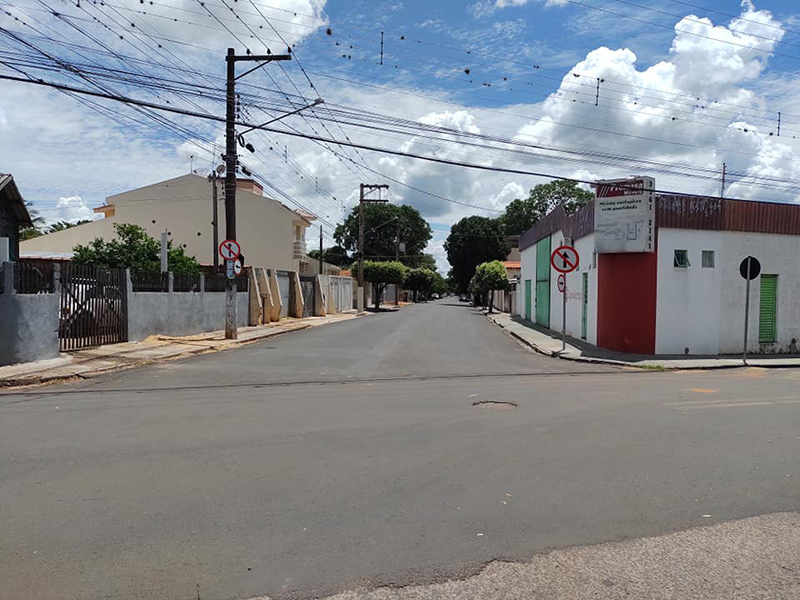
(626, 302)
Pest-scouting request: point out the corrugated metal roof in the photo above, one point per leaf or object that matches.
(683, 212)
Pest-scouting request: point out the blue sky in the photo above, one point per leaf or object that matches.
(685, 85)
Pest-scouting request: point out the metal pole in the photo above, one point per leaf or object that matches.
(361, 294)
(722, 187)
(564, 317)
(320, 251)
(746, 313)
(231, 332)
(215, 221)
(164, 255)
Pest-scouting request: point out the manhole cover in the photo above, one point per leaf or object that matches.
(494, 404)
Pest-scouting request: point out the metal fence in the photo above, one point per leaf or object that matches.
(34, 277)
(216, 282)
(92, 310)
(186, 282)
(340, 290)
(149, 281)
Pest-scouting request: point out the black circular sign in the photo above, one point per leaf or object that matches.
(755, 268)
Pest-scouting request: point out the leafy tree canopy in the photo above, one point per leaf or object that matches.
(381, 274)
(62, 225)
(491, 276)
(133, 248)
(521, 215)
(381, 232)
(335, 255)
(474, 240)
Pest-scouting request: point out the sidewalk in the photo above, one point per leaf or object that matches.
(114, 357)
(548, 342)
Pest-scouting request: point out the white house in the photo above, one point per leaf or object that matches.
(683, 296)
(270, 234)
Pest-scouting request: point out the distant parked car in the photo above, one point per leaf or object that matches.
(434, 296)
(464, 298)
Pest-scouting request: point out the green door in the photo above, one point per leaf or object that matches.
(543, 282)
(585, 307)
(767, 313)
(528, 299)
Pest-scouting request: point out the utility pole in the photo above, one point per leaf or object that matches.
(320, 251)
(214, 220)
(231, 160)
(365, 189)
(397, 259)
(722, 187)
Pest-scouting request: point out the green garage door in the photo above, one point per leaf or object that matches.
(767, 314)
(543, 282)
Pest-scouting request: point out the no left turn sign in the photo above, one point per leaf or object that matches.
(565, 259)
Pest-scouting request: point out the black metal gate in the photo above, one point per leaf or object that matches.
(307, 285)
(92, 309)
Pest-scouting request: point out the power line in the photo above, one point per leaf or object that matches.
(433, 159)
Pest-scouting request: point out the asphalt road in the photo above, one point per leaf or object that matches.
(354, 455)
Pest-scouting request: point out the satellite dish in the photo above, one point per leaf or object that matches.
(220, 169)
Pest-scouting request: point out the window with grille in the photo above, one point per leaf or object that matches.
(681, 258)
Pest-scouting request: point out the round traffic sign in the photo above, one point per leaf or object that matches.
(562, 283)
(565, 259)
(237, 266)
(754, 269)
(229, 249)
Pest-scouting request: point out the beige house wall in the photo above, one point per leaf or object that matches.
(266, 229)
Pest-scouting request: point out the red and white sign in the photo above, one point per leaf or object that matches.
(237, 267)
(562, 283)
(230, 249)
(565, 259)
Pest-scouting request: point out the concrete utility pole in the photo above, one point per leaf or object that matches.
(320, 251)
(231, 160)
(365, 189)
(722, 187)
(397, 259)
(214, 220)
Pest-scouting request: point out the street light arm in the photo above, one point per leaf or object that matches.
(316, 102)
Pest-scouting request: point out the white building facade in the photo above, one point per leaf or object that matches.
(270, 234)
(686, 296)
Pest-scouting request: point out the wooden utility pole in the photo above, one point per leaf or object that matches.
(231, 160)
(364, 190)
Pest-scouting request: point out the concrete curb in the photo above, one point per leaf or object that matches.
(621, 363)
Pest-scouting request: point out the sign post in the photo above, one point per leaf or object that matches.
(564, 259)
(229, 250)
(749, 269)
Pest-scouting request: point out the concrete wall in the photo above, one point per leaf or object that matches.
(180, 313)
(28, 323)
(183, 206)
(702, 309)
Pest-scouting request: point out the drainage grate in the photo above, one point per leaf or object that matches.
(495, 404)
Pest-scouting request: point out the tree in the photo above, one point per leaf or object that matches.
(380, 232)
(134, 249)
(420, 281)
(474, 240)
(426, 261)
(521, 215)
(380, 274)
(335, 255)
(490, 276)
(439, 284)
(28, 233)
(62, 225)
